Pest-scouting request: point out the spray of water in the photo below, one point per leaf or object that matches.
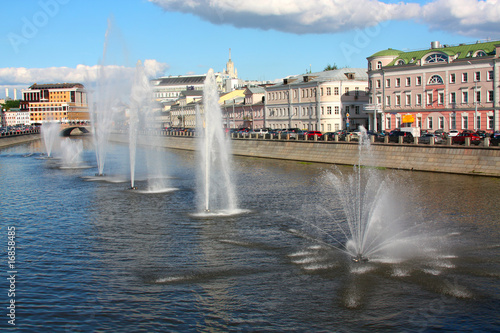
(50, 135)
(216, 186)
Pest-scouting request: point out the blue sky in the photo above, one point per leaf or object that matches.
(55, 40)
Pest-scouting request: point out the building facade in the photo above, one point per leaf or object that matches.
(246, 110)
(15, 116)
(440, 88)
(62, 102)
(324, 101)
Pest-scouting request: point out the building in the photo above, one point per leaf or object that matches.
(63, 102)
(324, 101)
(169, 89)
(440, 88)
(245, 110)
(15, 116)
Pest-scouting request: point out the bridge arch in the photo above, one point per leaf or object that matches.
(67, 131)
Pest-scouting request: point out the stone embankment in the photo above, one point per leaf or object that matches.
(472, 160)
(11, 140)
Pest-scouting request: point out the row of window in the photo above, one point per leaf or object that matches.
(431, 125)
(433, 58)
(311, 92)
(311, 111)
(433, 98)
(435, 79)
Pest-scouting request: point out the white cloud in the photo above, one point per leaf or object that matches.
(467, 17)
(81, 74)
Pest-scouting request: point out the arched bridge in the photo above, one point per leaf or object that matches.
(67, 130)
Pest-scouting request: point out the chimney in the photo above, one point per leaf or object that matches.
(435, 45)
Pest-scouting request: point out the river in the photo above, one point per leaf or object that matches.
(95, 256)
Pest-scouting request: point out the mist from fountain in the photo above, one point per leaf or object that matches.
(107, 99)
(216, 194)
(50, 135)
(375, 225)
(71, 154)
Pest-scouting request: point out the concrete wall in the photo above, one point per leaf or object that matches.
(15, 140)
(440, 158)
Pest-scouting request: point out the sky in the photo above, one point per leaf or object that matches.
(51, 41)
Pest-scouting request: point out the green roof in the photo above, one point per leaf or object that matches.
(462, 51)
(388, 52)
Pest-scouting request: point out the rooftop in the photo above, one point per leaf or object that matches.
(55, 86)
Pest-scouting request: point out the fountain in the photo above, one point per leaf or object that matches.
(50, 134)
(216, 195)
(374, 223)
(71, 151)
(106, 101)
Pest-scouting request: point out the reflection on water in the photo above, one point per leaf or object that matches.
(94, 256)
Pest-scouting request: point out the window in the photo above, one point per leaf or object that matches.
(328, 91)
(398, 82)
(322, 111)
(419, 122)
(490, 122)
(453, 121)
(441, 98)
(347, 91)
(378, 84)
(478, 96)
(388, 121)
(478, 122)
(336, 91)
(429, 98)
(337, 127)
(437, 57)
(452, 78)
(453, 98)
(435, 79)
(398, 100)
(379, 99)
(356, 91)
(419, 99)
(329, 127)
(465, 97)
(379, 65)
(328, 110)
(388, 100)
(477, 76)
(337, 110)
(480, 54)
(408, 99)
(356, 109)
(419, 81)
(441, 122)
(408, 81)
(429, 123)
(465, 122)
(400, 62)
(388, 83)
(398, 121)
(464, 77)
(489, 76)
(347, 109)
(489, 97)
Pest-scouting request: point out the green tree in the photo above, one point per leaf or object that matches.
(330, 67)
(9, 104)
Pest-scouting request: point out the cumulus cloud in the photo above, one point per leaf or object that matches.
(82, 73)
(468, 17)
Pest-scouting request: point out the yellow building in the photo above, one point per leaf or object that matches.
(62, 102)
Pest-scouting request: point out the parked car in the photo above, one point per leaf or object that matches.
(426, 138)
(481, 134)
(495, 139)
(453, 133)
(354, 135)
(394, 136)
(440, 133)
(259, 131)
(310, 135)
(460, 139)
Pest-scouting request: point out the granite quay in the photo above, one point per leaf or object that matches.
(447, 158)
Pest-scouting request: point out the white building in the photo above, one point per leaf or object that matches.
(323, 101)
(15, 116)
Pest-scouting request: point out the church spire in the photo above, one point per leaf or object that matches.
(229, 54)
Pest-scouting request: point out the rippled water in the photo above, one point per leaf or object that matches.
(94, 256)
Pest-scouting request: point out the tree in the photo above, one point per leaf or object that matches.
(330, 67)
(9, 104)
